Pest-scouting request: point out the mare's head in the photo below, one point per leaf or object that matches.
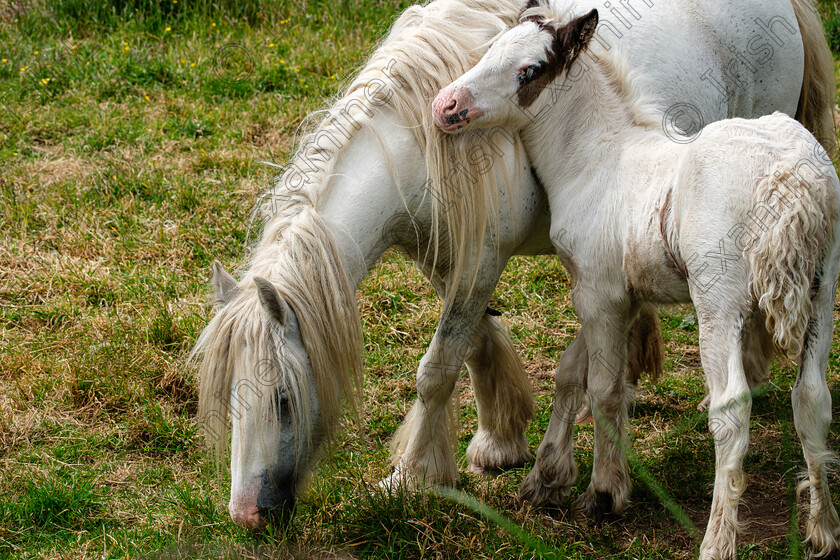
(258, 387)
(519, 66)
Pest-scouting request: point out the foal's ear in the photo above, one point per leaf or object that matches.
(223, 284)
(271, 300)
(574, 36)
(584, 27)
(529, 4)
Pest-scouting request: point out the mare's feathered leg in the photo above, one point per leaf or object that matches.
(504, 400)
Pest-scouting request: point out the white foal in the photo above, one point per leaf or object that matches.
(741, 219)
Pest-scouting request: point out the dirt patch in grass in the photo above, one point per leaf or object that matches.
(763, 513)
(60, 170)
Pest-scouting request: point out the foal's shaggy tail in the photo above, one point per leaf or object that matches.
(799, 217)
(816, 101)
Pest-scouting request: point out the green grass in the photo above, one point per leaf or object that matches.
(830, 12)
(130, 134)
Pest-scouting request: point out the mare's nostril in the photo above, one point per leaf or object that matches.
(276, 500)
(279, 515)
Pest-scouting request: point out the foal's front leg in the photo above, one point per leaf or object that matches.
(554, 472)
(605, 323)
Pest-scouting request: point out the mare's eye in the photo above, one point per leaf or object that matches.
(530, 73)
(281, 399)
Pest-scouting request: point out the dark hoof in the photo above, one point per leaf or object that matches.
(597, 506)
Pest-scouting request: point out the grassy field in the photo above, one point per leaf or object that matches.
(130, 138)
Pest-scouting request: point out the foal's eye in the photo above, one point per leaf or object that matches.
(530, 73)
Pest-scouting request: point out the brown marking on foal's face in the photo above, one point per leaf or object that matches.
(568, 43)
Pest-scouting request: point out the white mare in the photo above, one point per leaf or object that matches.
(741, 219)
(284, 349)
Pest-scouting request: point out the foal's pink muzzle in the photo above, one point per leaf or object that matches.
(454, 108)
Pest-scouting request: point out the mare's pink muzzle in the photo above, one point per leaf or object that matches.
(454, 108)
(243, 507)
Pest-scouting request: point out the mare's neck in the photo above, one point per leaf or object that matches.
(362, 192)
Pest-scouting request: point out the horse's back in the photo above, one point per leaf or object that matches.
(712, 59)
(721, 172)
(753, 145)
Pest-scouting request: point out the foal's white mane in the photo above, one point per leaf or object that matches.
(426, 48)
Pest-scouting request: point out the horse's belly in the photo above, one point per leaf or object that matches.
(653, 275)
(538, 241)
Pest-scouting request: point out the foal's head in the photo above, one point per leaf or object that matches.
(518, 67)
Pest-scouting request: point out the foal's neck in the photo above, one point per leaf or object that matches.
(585, 123)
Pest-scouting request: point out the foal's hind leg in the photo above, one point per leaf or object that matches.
(503, 398)
(812, 415)
(721, 339)
(758, 352)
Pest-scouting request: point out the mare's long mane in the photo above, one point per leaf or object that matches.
(426, 49)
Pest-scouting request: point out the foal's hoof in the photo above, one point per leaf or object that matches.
(823, 541)
(532, 491)
(834, 555)
(597, 505)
